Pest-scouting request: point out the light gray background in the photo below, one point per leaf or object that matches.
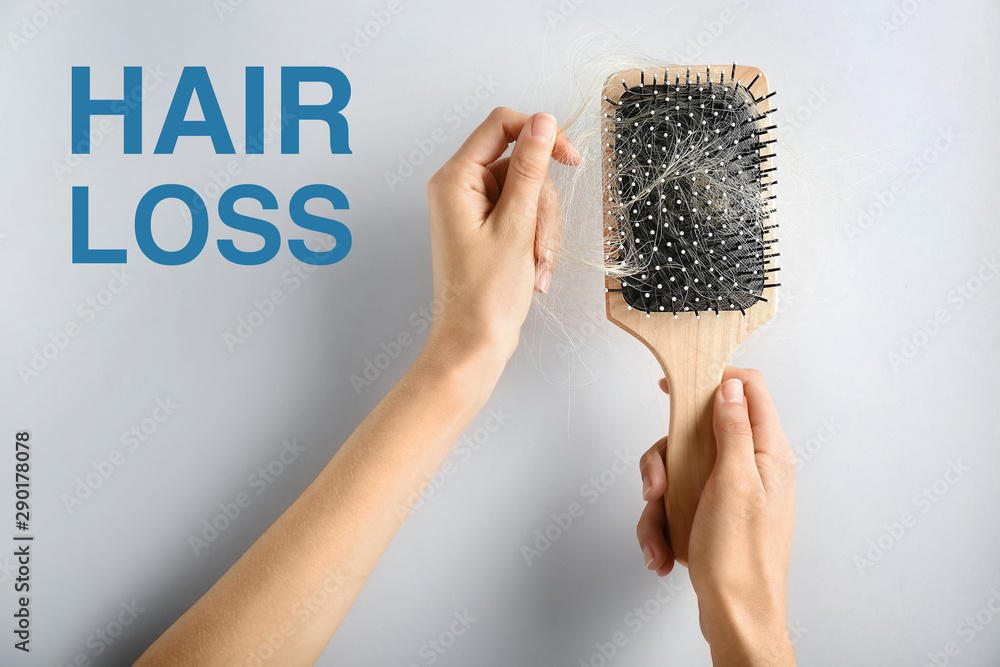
(858, 103)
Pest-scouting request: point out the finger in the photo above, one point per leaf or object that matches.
(652, 534)
(664, 386)
(772, 452)
(498, 170)
(565, 152)
(733, 434)
(763, 415)
(528, 169)
(548, 235)
(489, 141)
(653, 468)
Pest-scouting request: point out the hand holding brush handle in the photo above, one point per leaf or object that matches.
(742, 530)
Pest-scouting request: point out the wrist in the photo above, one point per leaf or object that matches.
(464, 343)
(749, 635)
(468, 368)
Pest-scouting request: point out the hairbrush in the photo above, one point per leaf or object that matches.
(689, 241)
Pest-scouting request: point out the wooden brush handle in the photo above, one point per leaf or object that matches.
(693, 354)
(691, 445)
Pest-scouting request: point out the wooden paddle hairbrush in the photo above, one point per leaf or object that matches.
(689, 194)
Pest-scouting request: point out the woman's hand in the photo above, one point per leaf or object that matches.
(496, 230)
(742, 530)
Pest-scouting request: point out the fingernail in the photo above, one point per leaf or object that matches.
(543, 127)
(647, 553)
(646, 486)
(543, 279)
(732, 391)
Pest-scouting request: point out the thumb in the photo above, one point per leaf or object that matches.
(529, 165)
(733, 434)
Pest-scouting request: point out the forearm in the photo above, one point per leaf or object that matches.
(302, 575)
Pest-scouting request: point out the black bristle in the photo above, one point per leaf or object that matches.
(768, 96)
